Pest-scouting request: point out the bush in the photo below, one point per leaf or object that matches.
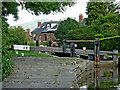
(99, 36)
(109, 43)
(31, 43)
(45, 44)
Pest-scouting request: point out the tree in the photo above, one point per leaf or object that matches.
(34, 7)
(82, 33)
(97, 9)
(108, 25)
(64, 27)
(17, 35)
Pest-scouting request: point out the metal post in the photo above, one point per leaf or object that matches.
(72, 50)
(64, 46)
(96, 50)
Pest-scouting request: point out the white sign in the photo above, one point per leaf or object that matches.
(21, 47)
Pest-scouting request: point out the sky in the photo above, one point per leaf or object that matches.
(26, 17)
(72, 12)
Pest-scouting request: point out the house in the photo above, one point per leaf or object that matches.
(44, 32)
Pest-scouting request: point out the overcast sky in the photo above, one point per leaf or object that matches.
(73, 12)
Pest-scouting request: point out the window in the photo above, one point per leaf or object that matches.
(49, 37)
(40, 38)
(34, 37)
(45, 37)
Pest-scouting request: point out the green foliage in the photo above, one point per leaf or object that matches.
(107, 74)
(10, 8)
(45, 7)
(31, 43)
(64, 27)
(110, 43)
(28, 53)
(104, 85)
(17, 35)
(6, 57)
(82, 33)
(108, 25)
(108, 84)
(45, 44)
(99, 36)
(97, 9)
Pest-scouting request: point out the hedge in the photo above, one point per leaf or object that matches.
(109, 43)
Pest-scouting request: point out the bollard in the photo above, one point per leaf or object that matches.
(22, 54)
(115, 57)
(72, 50)
(64, 46)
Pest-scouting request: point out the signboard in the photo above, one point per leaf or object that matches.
(21, 47)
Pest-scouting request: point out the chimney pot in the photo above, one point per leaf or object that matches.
(39, 24)
(81, 17)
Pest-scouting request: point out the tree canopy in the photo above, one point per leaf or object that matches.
(17, 35)
(97, 9)
(64, 27)
(34, 7)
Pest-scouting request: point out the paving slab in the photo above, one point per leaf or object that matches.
(46, 72)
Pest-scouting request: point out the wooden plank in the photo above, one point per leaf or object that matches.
(80, 40)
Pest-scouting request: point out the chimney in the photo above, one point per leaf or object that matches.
(39, 24)
(80, 17)
(28, 31)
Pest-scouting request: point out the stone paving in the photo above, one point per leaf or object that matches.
(42, 72)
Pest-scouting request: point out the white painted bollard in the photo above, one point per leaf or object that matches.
(16, 52)
(84, 48)
(22, 54)
(75, 45)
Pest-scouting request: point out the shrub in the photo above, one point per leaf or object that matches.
(45, 44)
(109, 43)
(32, 43)
(99, 36)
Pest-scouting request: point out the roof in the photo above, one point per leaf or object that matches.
(47, 27)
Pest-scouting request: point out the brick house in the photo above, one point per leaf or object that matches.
(44, 32)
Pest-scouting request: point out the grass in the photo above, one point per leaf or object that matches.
(111, 55)
(29, 53)
(107, 74)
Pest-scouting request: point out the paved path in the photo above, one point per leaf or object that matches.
(37, 72)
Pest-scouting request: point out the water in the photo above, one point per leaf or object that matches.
(100, 77)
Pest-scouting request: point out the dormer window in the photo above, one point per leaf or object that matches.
(48, 25)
